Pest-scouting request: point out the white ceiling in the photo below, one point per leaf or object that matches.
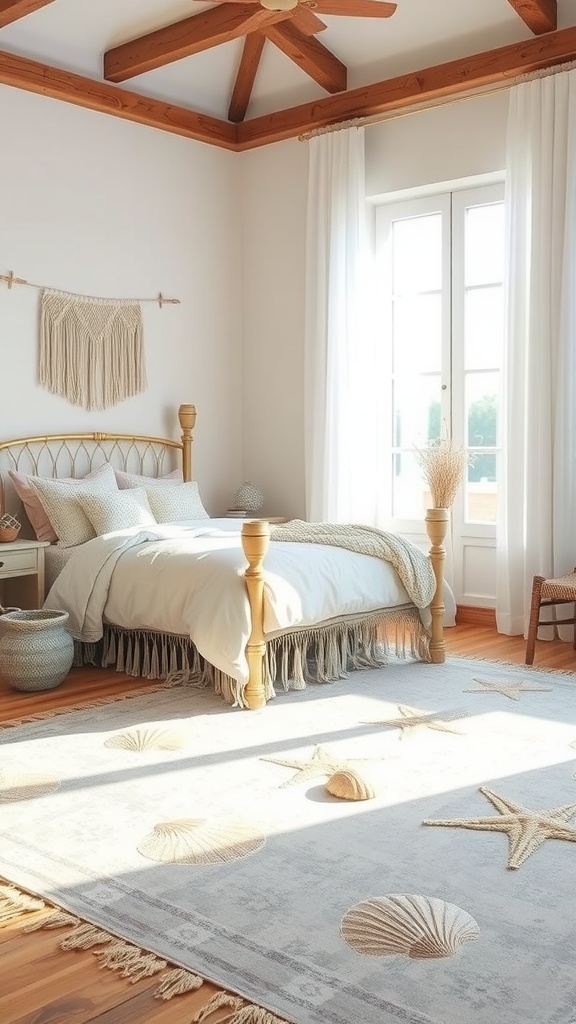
(74, 34)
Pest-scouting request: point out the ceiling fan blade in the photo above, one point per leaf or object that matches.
(352, 8)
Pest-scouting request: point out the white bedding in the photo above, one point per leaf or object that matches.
(55, 559)
(161, 579)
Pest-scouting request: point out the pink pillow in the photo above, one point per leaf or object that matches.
(125, 480)
(39, 521)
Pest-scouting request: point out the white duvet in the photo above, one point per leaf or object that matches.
(187, 579)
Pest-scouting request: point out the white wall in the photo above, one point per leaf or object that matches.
(438, 145)
(100, 206)
(443, 144)
(273, 200)
(95, 205)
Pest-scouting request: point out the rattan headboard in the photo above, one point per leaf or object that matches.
(74, 455)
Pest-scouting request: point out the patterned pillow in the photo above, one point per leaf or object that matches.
(174, 504)
(134, 480)
(117, 510)
(60, 502)
(39, 521)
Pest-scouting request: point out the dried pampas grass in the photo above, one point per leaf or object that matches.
(443, 464)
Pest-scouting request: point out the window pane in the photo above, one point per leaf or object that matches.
(484, 328)
(416, 405)
(417, 333)
(484, 244)
(482, 402)
(417, 254)
(482, 489)
(410, 494)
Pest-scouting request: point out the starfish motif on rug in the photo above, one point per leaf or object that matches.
(527, 829)
(507, 689)
(320, 764)
(414, 718)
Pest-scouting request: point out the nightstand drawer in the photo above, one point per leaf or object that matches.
(12, 562)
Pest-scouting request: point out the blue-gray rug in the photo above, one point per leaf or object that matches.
(207, 835)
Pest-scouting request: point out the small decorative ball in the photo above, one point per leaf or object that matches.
(248, 497)
(349, 785)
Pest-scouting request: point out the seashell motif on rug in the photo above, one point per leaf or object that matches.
(18, 785)
(348, 784)
(201, 841)
(420, 927)
(146, 738)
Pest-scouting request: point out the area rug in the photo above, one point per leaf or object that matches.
(398, 847)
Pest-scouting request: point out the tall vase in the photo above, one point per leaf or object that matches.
(437, 520)
(36, 650)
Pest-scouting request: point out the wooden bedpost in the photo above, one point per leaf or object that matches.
(437, 520)
(187, 417)
(255, 540)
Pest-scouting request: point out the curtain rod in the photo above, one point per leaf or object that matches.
(11, 280)
(418, 107)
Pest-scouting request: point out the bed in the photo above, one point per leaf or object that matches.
(241, 606)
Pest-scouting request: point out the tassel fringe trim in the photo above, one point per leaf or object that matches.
(129, 960)
(319, 654)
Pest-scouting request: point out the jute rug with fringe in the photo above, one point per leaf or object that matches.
(395, 848)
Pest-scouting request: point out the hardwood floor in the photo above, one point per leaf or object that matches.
(40, 984)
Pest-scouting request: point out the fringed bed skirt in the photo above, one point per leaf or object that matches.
(318, 654)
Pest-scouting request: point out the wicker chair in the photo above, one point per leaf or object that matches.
(545, 593)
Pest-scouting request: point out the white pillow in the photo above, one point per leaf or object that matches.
(125, 480)
(174, 504)
(117, 510)
(60, 502)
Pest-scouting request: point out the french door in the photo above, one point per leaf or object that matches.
(440, 270)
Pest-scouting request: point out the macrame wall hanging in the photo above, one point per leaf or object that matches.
(90, 350)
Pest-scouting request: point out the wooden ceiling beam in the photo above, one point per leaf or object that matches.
(492, 67)
(202, 31)
(540, 15)
(310, 55)
(251, 54)
(30, 75)
(13, 10)
(458, 76)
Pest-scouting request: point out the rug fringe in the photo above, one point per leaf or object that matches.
(133, 962)
(55, 919)
(177, 982)
(86, 936)
(14, 902)
(252, 1015)
(216, 1002)
(82, 705)
(520, 666)
(240, 1013)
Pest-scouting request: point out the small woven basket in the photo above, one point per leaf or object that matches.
(9, 528)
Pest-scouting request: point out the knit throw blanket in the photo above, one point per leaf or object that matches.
(412, 565)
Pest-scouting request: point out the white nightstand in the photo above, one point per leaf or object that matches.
(22, 573)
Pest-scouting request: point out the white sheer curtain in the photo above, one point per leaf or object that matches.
(341, 381)
(537, 527)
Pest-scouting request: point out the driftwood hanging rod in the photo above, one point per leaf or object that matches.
(10, 280)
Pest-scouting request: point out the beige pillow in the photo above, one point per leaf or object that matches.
(125, 480)
(23, 485)
(175, 504)
(117, 510)
(60, 502)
